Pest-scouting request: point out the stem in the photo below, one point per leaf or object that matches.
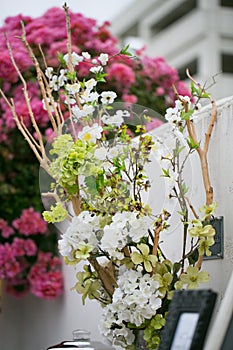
(202, 152)
(105, 275)
(158, 228)
(184, 246)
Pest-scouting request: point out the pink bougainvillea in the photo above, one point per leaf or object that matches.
(45, 278)
(30, 223)
(23, 266)
(146, 79)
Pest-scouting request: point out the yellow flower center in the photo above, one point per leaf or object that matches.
(87, 136)
(193, 278)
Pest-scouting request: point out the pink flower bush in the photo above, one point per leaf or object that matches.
(30, 223)
(122, 74)
(23, 265)
(139, 77)
(45, 277)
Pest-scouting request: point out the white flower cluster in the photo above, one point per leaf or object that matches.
(134, 300)
(56, 81)
(107, 153)
(83, 231)
(117, 119)
(88, 97)
(124, 228)
(90, 133)
(174, 115)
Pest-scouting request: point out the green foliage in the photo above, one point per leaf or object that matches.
(124, 51)
(19, 178)
(152, 331)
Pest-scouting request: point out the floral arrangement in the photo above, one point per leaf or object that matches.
(97, 187)
(24, 263)
(143, 80)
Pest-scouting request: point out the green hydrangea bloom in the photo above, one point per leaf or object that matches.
(57, 214)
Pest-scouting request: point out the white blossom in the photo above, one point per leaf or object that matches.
(49, 103)
(73, 88)
(86, 55)
(101, 153)
(54, 83)
(97, 69)
(130, 304)
(89, 84)
(173, 115)
(82, 231)
(49, 72)
(69, 100)
(62, 77)
(75, 58)
(88, 96)
(116, 120)
(108, 97)
(84, 112)
(90, 133)
(103, 58)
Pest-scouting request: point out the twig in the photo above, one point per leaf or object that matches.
(192, 208)
(202, 152)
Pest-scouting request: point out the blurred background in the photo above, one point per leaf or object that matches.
(101, 10)
(187, 33)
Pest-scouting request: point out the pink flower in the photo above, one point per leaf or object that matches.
(49, 134)
(7, 230)
(183, 89)
(129, 98)
(30, 223)
(121, 74)
(9, 266)
(14, 23)
(160, 91)
(45, 277)
(23, 247)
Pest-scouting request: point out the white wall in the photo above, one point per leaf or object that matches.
(31, 323)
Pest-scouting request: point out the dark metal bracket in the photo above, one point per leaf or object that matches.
(218, 248)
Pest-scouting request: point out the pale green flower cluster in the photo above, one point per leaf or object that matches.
(73, 159)
(203, 231)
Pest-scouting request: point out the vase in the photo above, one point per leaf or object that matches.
(81, 340)
(140, 343)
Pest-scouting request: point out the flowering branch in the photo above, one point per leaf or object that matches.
(45, 90)
(200, 92)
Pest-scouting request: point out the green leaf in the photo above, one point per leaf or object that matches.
(71, 76)
(187, 115)
(192, 144)
(184, 188)
(176, 267)
(178, 150)
(182, 213)
(205, 95)
(193, 257)
(100, 182)
(61, 59)
(100, 77)
(165, 172)
(125, 51)
(90, 182)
